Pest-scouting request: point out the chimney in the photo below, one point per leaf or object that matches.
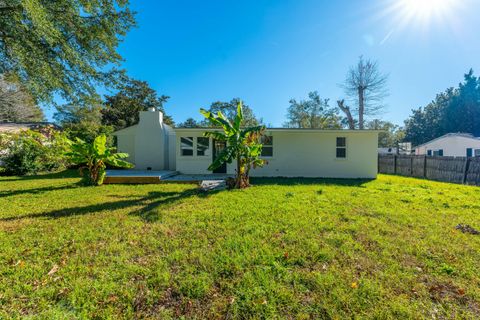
(151, 117)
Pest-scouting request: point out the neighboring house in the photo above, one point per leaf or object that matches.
(452, 145)
(13, 127)
(153, 145)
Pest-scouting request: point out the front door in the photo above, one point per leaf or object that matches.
(218, 147)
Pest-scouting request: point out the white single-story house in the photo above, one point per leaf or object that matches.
(153, 145)
(15, 127)
(451, 145)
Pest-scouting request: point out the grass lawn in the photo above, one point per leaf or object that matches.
(299, 249)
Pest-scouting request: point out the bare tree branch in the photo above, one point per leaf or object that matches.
(345, 109)
(366, 86)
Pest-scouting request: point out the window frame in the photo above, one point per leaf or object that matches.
(207, 149)
(269, 145)
(476, 153)
(182, 149)
(341, 147)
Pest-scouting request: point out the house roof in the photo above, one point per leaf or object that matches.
(284, 130)
(458, 134)
(19, 126)
(125, 130)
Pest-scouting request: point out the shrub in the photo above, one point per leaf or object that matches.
(31, 152)
(94, 158)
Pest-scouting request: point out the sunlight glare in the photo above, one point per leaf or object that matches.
(425, 9)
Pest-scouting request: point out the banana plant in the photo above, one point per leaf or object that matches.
(242, 144)
(94, 157)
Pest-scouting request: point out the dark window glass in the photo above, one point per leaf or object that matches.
(429, 152)
(469, 152)
(341, 142)
(477, 152)
(186, 146)
(203, 144)
(341, 147)
(440, 152)
(341, 153)
(267, 149)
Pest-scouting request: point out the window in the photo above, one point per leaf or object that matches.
(267, 149)
(438, 153)
(341, 147)
(186, 146)
(477, 152)
(469, 152)
(203, 146)
(429, 153)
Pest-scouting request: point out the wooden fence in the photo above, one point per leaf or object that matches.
(448, 169)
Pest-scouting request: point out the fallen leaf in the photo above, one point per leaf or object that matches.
(285, 255)
(20, 263)
(461, 292)
(53, 270)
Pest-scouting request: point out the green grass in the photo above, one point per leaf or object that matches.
(295, 249)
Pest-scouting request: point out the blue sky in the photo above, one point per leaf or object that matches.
(269, 51)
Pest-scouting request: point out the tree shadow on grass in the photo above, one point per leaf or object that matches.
(9, 193)
(310, 181)
(70, 173)
(148, 206)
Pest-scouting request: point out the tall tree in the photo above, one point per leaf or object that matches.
(463, 111)
(313, 113)
(349, 120)
(16, 104)
(82, 121)
(365, 86)
(229, 109)
(64, 47)
(426, 123)
(455, 110)
(391, 134)
(190, 123)
(121, 110)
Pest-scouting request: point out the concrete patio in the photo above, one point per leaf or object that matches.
(164, 176)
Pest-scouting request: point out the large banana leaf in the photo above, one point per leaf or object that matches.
(226, 156)
(100, 144)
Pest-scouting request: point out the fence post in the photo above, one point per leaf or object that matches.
(411, 165)
(465, 170)
(425, 166)
(378, 164)
(394, 164)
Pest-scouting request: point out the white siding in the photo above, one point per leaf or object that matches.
(298, 153)
(306, 154)
(452, 146)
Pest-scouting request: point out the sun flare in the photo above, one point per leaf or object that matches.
(425, 9)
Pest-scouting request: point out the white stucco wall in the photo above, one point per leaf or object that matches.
(148, 143)
(453, 146)
(299, 153)
(126, 142)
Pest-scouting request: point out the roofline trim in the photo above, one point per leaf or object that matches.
(458, 134)
(288, 129)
